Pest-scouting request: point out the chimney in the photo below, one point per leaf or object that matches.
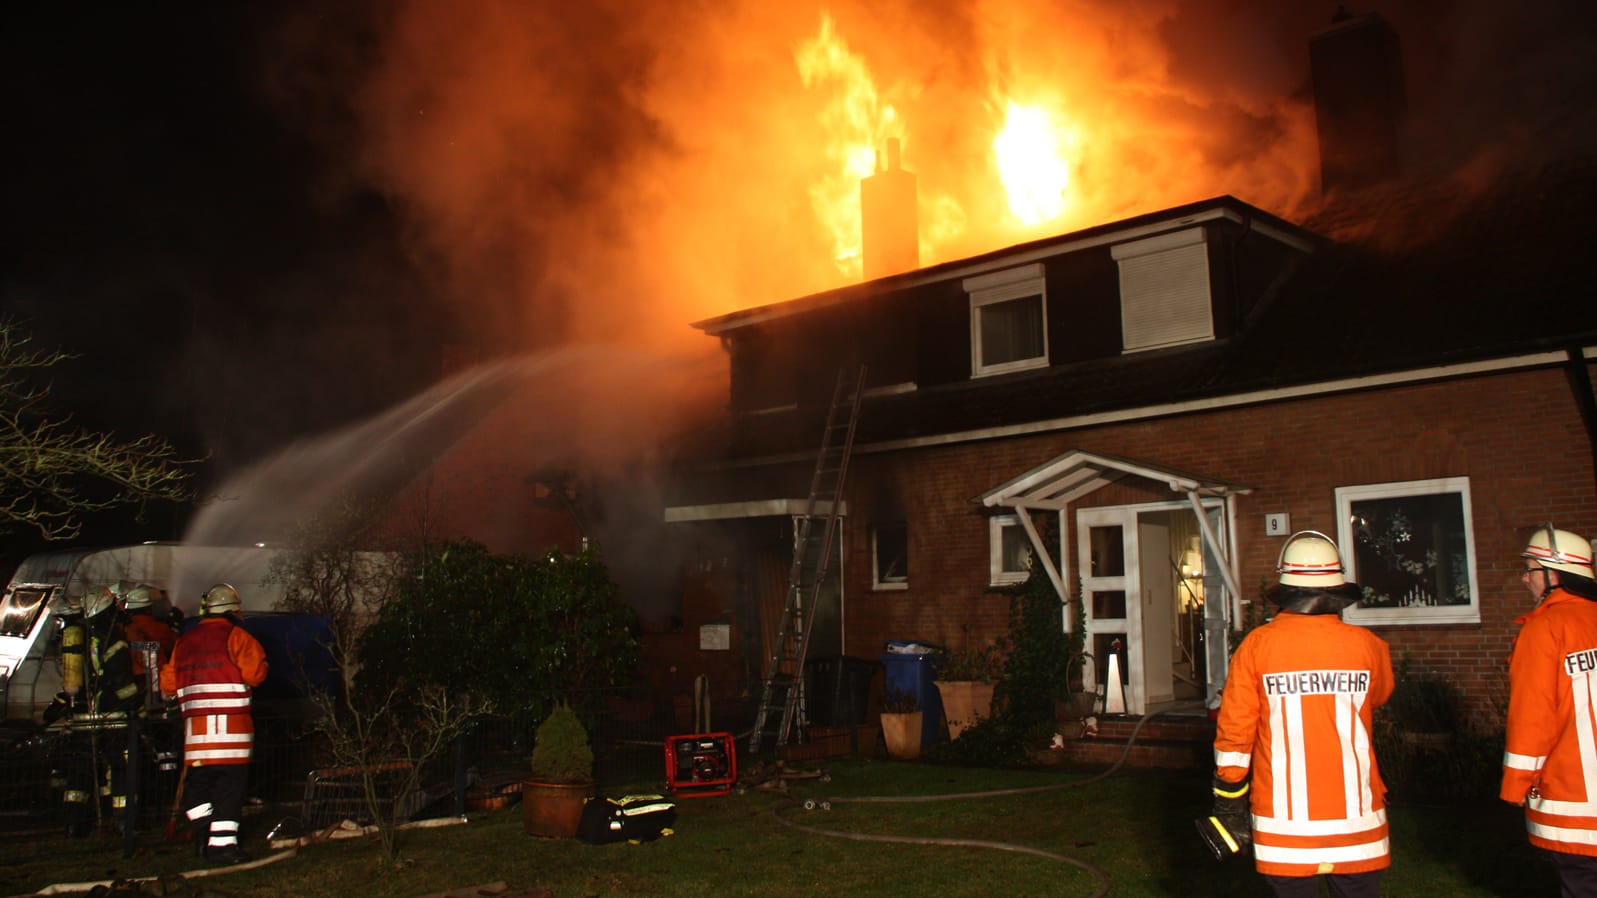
(890, 241)
(1357, 70)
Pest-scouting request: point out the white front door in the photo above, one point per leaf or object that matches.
(1143, 578)
(1106, 552)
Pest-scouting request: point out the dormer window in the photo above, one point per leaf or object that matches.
(1164, 291)
(1008, 321)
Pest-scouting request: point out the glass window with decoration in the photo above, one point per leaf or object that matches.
(1411, 548)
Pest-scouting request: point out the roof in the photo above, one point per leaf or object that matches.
(1425, 276)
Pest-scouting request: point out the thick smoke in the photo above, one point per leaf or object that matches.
(622, 168)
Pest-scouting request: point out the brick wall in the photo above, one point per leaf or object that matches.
(1517, 436)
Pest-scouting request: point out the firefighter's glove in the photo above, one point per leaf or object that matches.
(1228, 829)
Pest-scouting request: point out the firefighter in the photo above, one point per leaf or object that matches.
(1550, 761)
(1296, 713)
(111, 693)
(214, 667)
(144, 626)
(152, 637)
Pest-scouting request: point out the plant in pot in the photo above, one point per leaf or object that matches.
(562, 776)
(901, 724)
(966, 681)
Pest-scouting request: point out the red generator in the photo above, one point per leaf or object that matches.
(701, 764)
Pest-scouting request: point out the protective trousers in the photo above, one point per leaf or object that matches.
(1341, 885)
(215, 799)
(1577, 874)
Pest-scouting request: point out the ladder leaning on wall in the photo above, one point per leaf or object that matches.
(814, 532)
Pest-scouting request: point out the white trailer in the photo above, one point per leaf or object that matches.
(44, 585)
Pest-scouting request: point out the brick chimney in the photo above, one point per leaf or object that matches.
(889, 239)
(1357, 70)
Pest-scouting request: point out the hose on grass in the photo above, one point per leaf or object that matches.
(1101, 877)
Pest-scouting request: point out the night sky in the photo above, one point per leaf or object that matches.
(254, 222)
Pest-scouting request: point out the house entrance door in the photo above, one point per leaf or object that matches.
(1142, 588)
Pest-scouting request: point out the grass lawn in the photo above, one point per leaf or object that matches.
(1136, 826)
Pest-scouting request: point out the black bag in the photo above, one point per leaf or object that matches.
(631, 818)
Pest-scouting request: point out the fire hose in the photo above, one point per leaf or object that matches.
(1101, 877)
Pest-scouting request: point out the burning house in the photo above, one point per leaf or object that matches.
(1159, 400)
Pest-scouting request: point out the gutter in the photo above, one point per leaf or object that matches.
(1580, 385)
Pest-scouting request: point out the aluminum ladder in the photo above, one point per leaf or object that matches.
(812, 555)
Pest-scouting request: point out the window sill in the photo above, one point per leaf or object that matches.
(890, 587)
(1403, 617)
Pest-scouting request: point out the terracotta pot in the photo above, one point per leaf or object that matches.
(553, 810)
(964, 702)
(902, 733)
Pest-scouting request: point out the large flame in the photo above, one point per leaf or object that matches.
(853, 123)
(633, 166)
(1030, 153)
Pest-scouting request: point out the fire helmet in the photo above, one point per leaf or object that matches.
(1560, 550)
(220, 599)
(1312, 580)
(138, 597)
(98, 600)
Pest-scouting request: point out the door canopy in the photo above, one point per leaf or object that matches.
(1055, 484)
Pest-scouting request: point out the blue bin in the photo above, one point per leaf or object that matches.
(916, 674)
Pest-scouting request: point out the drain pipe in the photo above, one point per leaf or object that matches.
(1580, 384)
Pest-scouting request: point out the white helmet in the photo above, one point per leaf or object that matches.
(138, 597)
(98, 600)
(220, 599)
(1560, 550)
(1309, 558)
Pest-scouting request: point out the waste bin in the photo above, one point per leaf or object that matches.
(837, 689)
(911, 667)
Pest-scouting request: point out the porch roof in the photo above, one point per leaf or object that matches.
(756, 508)
(1069, 476)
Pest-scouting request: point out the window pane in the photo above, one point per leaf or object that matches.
(1109, 603)
(1108, 552)
(1410, 551)
(892, 553)
(1016, 549)
(1011, 331)
(21, 611)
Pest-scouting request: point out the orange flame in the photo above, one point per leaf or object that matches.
(855, 122)
(1030, 152)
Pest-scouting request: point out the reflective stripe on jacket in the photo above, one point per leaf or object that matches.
(1297, 711)
(214, 667)
(1550, 761)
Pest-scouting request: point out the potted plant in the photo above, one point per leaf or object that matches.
(562, 776)
(901, 724)
(966, 681)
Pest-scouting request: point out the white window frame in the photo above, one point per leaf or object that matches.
(1003, 286)
(1416, 616)
(996, 574)
(896, 583)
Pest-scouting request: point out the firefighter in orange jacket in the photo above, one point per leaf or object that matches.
(145, 626)
(1296, 712)
(1550, 761)
(214, 667)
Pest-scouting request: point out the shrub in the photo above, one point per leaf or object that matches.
(561, 753)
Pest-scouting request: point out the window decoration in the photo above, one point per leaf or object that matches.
(1411, 547)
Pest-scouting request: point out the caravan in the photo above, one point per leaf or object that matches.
(45, 585)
